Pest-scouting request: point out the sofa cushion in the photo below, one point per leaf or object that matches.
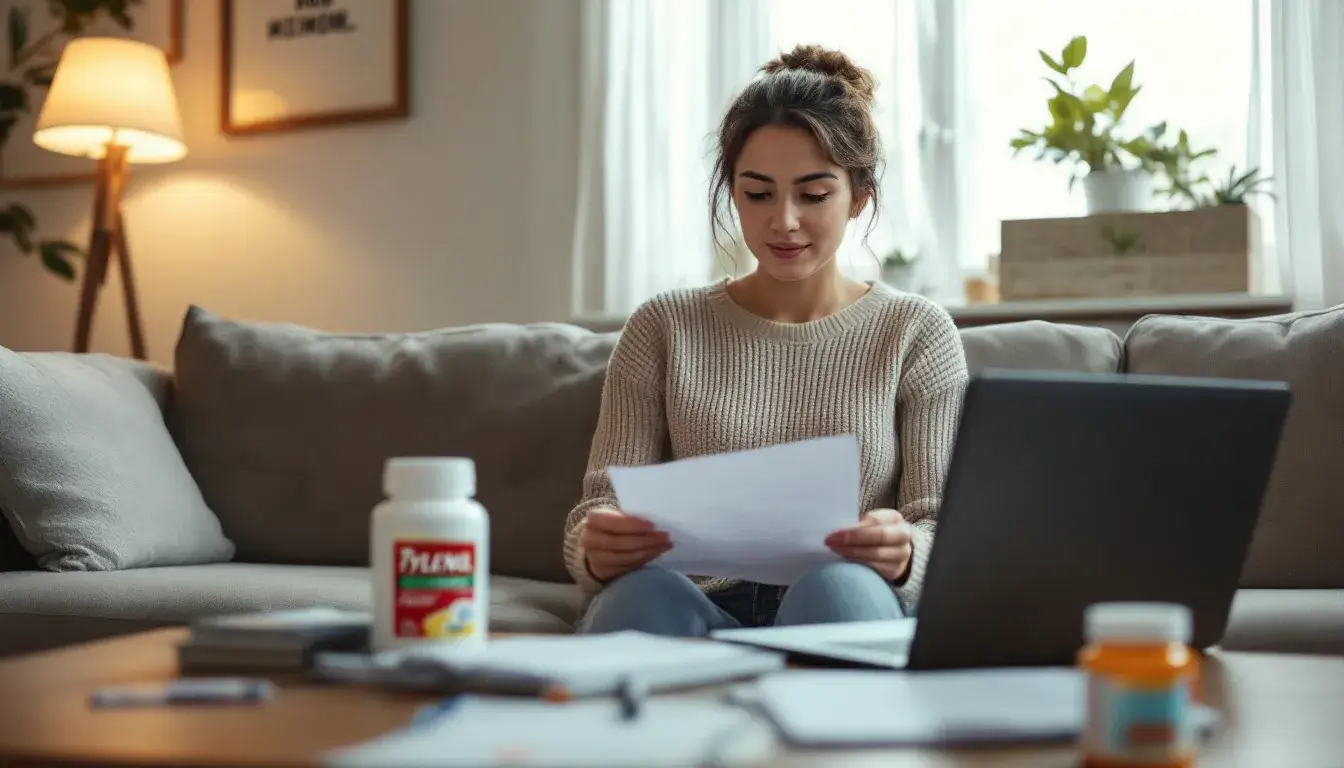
(90, 478)
(1296, 542)
(36, 605)
(1039, 345)
(287, 429)
(1287, 621)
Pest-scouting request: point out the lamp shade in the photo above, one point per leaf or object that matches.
(110, 89)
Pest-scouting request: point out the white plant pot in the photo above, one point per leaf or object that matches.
(903, 278)
(1116, 191)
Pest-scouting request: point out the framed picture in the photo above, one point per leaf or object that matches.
(36, 34)
(292, 64)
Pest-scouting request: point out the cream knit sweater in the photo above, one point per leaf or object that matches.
(695, 373)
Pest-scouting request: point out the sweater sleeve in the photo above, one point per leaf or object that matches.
(631, 428)
(929, 396)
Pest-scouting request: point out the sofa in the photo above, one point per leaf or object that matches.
(243, 477)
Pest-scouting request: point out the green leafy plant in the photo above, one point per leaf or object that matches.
(32, 64)
(1085, 121)
(898, 258)
(1235, 189)
(1179, 167)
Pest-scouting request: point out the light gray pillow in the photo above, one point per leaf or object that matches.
(90, 478)
(1296, 543)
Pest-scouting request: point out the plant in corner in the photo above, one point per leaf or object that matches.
(32, 63)
(1085, 130)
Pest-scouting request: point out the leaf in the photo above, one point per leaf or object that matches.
(1120, 86)
(23, 215)
(1075, 52)
(1095, 98)
(18, 33)
(1051, 63)
(1122, 103)
(54, 258)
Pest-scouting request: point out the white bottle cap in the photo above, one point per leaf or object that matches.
(1138, 622)
(429, 477)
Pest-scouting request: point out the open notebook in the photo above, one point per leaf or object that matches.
(582, 665)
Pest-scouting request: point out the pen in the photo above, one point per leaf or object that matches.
(190, 691)
(631, 694)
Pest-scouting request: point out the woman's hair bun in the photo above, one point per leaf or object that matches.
(829, 62)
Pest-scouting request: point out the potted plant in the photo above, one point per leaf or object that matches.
(1085, 131)
(1177, 165)
(899, 270)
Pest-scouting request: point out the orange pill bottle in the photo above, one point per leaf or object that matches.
(1142, 677)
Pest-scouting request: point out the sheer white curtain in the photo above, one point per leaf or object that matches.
(1308, 109)
(656, 78)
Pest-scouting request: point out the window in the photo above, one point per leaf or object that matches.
(957, 81)
(1196, 60)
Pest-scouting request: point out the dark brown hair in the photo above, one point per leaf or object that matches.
(818, 90)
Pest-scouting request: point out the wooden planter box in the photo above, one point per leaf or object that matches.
(1209, 250)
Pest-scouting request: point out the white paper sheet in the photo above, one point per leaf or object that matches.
(848, 708)
(481, 732)
(761, 515)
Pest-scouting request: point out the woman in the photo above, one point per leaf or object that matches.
(791, 351)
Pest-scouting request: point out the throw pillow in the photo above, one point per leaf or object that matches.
(1296, 541)
(286, 429)
(90, 478)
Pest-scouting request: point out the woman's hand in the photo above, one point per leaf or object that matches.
(882, 540)
(616, 543)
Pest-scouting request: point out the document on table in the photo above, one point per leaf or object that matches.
(761, 515)
(856, 708)
(481, 731)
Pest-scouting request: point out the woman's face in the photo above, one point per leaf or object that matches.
(792, 201)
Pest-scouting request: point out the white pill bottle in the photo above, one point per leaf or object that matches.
(430, 556)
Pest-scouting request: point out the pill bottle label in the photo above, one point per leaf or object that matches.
(1138, 725)
(434, 595)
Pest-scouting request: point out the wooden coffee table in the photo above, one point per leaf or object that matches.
(1279, 710)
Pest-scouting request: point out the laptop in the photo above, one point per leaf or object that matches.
(1067, 489)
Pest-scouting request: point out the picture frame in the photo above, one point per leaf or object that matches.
(38, 29)
(298, 64)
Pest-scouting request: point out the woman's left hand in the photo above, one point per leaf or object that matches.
(882, 540)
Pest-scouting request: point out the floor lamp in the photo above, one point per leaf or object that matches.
(111, 100)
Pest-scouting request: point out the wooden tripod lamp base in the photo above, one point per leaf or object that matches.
(106, 243)
(111, 99)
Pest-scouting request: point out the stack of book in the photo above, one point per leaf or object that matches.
(270, 641)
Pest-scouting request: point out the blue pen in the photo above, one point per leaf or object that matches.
(428, 714)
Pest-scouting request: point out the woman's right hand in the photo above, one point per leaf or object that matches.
(616, 543)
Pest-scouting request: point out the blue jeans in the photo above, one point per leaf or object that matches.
(663, 602)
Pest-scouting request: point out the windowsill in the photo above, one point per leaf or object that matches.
(1116, 310)
(1120, 309)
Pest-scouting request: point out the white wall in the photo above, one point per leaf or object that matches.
(461, 214)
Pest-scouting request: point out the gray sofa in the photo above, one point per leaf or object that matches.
(284, 429)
